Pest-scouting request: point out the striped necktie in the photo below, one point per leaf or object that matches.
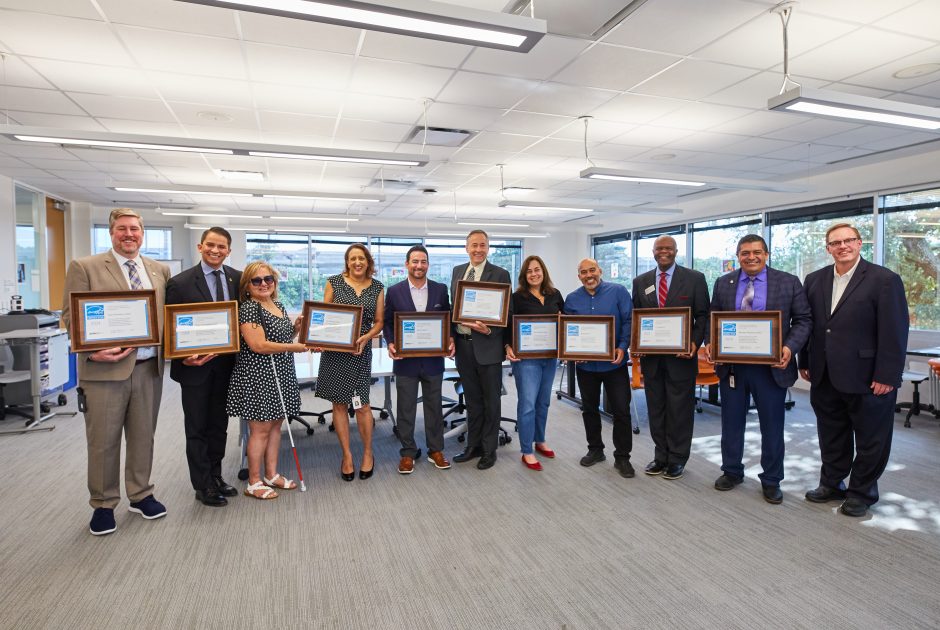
(472, 275)
(136, 284)
(663, 289)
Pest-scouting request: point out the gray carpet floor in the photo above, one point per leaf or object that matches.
(569, 547)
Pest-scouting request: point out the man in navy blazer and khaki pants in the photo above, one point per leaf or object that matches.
(417, 294)
(757, 287)
(854, 362)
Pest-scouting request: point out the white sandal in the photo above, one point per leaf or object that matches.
(265, 492)
(286, 484)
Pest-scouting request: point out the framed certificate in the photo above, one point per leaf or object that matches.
(422, 334)
(111, 319)
(586, 337)
(330, 326)
(661, 330)
(202, 328)
(746, 337)
(486, 302)
(535, 336)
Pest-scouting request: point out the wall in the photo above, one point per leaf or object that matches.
(561, 252)
(7, 242)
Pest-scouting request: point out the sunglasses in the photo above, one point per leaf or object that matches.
(257, 282)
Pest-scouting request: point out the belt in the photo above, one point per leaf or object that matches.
(139, 361)
(465, 337)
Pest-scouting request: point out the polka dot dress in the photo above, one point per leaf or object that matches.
(342, 374)
(252, 392)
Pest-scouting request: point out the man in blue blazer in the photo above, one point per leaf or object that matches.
(757, 287)
(417, 293)
(854, 362)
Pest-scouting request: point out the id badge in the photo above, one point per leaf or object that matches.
(356, 402)
(731, 381)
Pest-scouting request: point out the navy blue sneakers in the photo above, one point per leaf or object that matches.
(102, 522)
(148, 507)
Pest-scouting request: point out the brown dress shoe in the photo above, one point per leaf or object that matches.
(407, 465)
(437, 458)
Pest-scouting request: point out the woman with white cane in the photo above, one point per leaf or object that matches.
(264, 389)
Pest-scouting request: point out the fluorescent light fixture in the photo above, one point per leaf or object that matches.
(264, 228)
(674, 179)
(247, 192)
(541, 205)
(418, 18)
(243, 176)
(193, 145)
(213, 214)
(230, 228)
(285, 218)
(856, 108)
(464, 234)
(482, 224)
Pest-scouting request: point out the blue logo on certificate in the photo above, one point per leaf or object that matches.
(317, 317)
(94, 311)
(574, 330)
(408, 327)
(525, 329)
(646, 323)
(184, 320)
(470, 296)
(729, 329)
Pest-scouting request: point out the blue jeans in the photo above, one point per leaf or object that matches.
(534, 378)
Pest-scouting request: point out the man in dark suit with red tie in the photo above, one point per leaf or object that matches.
(757, 287)
(854, 362)
(204, 379)
(417, 294)
(669, 381)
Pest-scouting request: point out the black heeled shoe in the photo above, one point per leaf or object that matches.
(347, 476)
(365, 474)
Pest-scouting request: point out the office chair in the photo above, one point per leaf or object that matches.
(706, 377)
(914, 406)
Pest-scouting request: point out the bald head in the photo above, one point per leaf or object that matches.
(589, 273)
(664, 251)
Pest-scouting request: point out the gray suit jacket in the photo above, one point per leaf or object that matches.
(487, 349)
(102, 273)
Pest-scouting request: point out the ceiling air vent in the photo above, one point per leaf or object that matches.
(439, 136)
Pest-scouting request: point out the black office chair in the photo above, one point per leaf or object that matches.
(914, 406)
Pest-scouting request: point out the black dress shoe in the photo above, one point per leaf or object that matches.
(772, 494)
(593, 456)
(468, 454)
(486, 461)
(224, 489)
(211, 497)
(673, 471)
(727, 482)
(824, 494)
(655, 468)
(854, 507)
(625, 468)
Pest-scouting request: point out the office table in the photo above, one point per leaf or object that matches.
(930, 353)
(33, 339)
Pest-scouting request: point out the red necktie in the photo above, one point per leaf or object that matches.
(663, 289)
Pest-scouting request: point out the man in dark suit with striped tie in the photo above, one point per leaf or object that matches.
(757, 287)
(669, 381)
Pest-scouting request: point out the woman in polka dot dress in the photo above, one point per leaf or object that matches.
(344, 375)
(253, 392)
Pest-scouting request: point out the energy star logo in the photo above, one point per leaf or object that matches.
(94, 311)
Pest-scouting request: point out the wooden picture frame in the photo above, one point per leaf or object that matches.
(438, 318)
(564, 332)
(518, 324)
(345, 322)
(756, 322)
(500, 318)
(91, 331)
(644, 324)
(200, 337)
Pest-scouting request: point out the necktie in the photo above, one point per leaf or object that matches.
(219, 291)
(136, 284)
(747, 302)
(663, 289)
(472, 275)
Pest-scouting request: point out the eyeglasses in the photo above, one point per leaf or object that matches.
(256, 282)
(845, 241)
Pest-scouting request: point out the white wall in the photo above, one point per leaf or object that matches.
(561, 252)
(7, 242)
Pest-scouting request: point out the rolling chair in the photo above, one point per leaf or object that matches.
(706, 377)
(914, 406)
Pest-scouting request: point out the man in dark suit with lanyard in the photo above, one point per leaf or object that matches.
(669, 381)
(480, 354)
(854, 362)
(417, 294)
(204, 379)
(757, 287)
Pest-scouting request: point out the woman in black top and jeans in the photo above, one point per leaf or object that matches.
(534, 377)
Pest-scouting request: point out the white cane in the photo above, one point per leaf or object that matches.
(277, 382)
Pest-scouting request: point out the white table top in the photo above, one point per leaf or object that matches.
(307, 364)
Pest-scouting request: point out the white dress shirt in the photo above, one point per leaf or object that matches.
(151, 351)
(839, 283)
(419, 295)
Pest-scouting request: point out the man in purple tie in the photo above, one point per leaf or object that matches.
(757, 287)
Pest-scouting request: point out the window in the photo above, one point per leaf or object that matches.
(644, 246)
(158, 241)
(614, 255)
(798, 237)
(912, 248)
(445, 254)
(389, 254)
(714, 244)
(288, 254)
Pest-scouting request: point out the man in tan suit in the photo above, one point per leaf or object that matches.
(122, 386)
